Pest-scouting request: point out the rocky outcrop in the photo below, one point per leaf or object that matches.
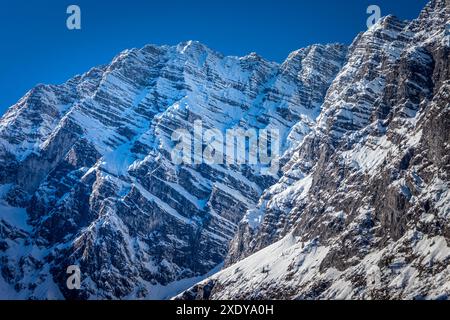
(362, 210)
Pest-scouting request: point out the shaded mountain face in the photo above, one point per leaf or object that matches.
(87, 177)
(363, 208)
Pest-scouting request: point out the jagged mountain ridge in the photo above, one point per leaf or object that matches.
(90, 162)
(362, 210)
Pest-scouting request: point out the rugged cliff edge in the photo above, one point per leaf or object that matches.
(363, 208)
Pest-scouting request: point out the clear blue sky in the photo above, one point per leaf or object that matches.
(36, 46)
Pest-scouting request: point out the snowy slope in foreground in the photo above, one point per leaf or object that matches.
(291, 269)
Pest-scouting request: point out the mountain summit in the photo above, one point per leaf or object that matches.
(90, 161)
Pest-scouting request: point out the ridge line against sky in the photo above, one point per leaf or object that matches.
(38, 47)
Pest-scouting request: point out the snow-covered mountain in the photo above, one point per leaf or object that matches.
(360, 207)
(87, 176)
(363, 208)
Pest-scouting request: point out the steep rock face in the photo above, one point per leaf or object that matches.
(91, 162)
(363, 208)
